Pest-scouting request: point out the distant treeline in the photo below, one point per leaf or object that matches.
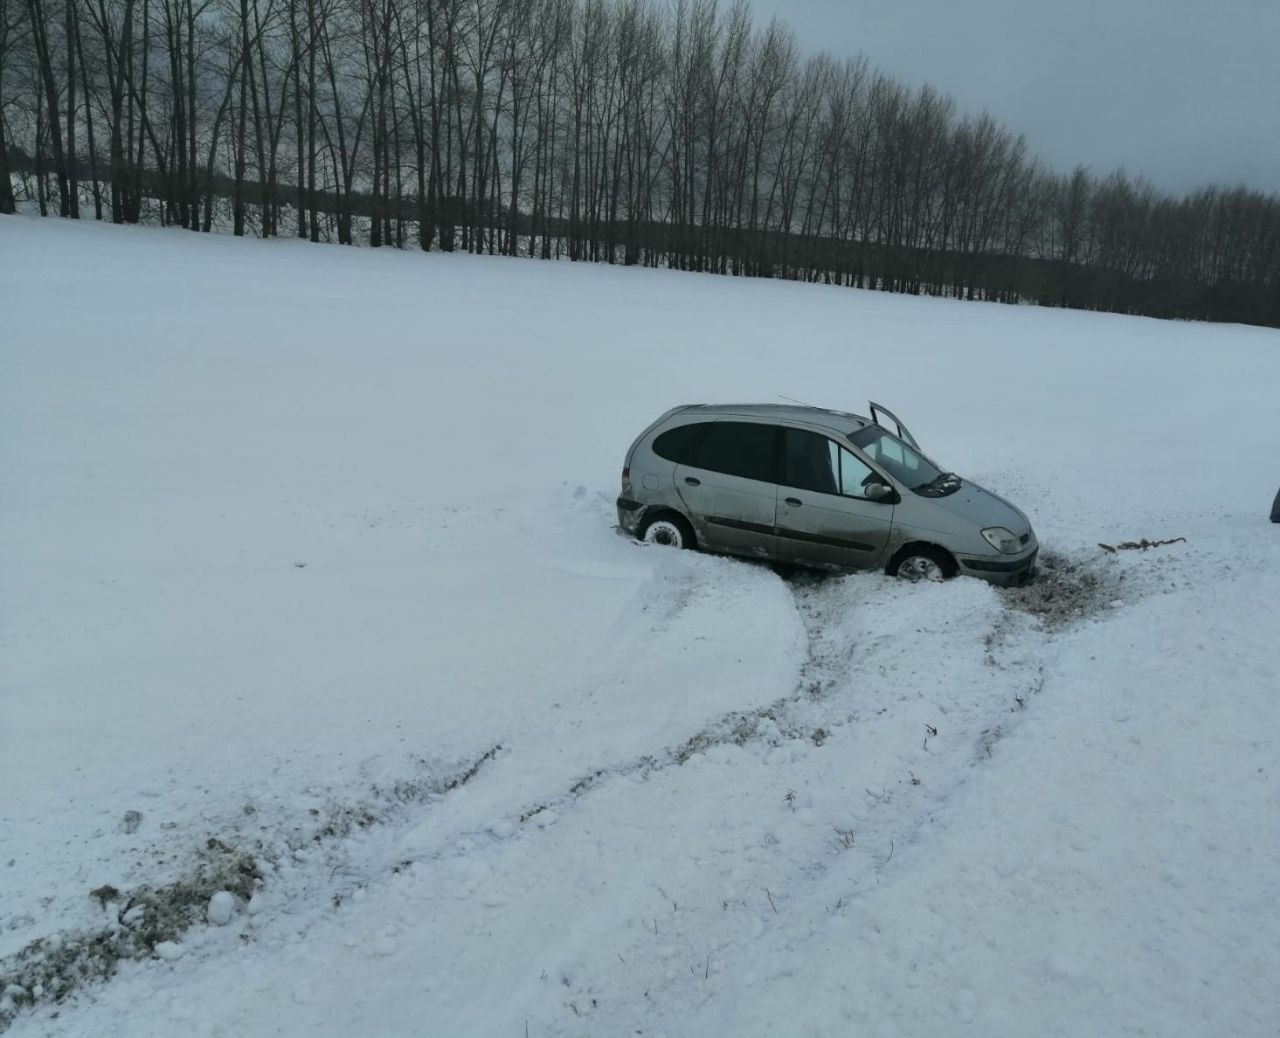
(622, 131)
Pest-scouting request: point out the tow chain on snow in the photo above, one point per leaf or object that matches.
(1142, 545)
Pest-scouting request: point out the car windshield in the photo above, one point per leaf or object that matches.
(904, 463)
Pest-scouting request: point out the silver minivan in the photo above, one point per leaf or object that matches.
(816, 488)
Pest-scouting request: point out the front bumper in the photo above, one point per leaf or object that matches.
(1001, 570)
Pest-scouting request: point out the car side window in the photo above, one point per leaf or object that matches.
(854, 475)
(678, 444)
(809, 462)
(738, 449)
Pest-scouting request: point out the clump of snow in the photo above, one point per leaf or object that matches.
(170, 951)
(222, 906)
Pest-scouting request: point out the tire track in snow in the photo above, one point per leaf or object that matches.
(807, 712)
(825, 701)
(842, 690)
(150, 920)
(1072, 592)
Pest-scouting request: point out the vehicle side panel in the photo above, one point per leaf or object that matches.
(729, 513)
(829, 530)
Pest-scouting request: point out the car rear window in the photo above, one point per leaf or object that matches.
(677, 444)
(743, 449)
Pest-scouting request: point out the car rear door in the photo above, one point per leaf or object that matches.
(729, 486)
(823, 517)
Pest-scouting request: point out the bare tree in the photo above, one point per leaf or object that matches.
(10, 28)
(662, 132)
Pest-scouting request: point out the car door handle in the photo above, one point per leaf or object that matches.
(693, 482)
(795, 502)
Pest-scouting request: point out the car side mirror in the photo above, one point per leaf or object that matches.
(879, 492)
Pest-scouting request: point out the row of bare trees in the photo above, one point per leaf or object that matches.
(669, 133)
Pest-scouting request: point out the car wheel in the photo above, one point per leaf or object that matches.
(925, 563)
(669, 530)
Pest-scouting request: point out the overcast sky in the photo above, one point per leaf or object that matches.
(1186, 92)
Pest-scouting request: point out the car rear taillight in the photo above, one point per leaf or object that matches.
(626, 471)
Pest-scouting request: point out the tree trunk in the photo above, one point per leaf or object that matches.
(6, 184)
(44, 64)
(238, 204)
(301, 174)
(311, 121)
(73, 187)
(88, 113)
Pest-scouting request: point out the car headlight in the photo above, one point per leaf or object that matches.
(1002, 540)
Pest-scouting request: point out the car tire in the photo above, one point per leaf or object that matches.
(924, 563)
(668, 529)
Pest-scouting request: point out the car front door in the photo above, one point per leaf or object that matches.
(879, 410)
(824, 517)
(728, 483)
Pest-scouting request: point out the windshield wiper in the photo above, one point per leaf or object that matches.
(943, 481)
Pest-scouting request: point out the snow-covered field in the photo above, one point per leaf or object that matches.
(309, 590)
